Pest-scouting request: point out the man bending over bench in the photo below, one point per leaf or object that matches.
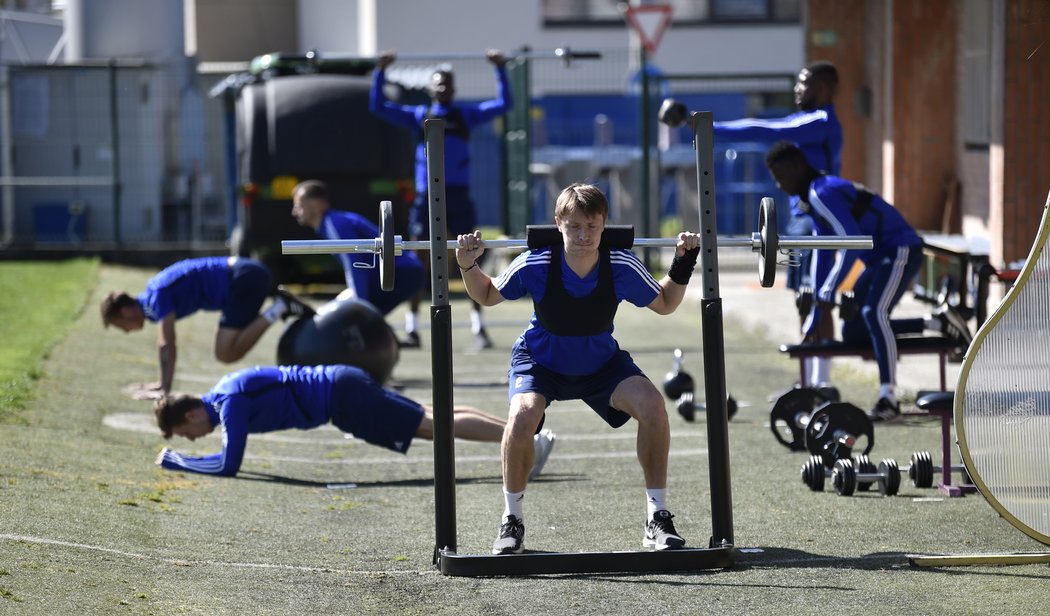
(840, 207)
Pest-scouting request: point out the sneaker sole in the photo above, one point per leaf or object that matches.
(508, 552)
(649, 543)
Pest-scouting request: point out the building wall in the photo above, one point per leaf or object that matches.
(923, 73)
(1026, 127)
(239, 30)
(835, 35)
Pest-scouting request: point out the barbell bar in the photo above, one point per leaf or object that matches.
(766, 241)
(565, 54)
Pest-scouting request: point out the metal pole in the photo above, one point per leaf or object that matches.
(7, 163)
(441, 345)
(114, 120)
(645, 139)
(713, 337)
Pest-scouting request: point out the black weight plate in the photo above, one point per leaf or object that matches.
(813, 473)
(864, 466)
(833, 419)
(785, 413)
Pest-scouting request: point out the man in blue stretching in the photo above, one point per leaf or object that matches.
(568, 351)
(461, 216)
(311, 208)
(269, 398)
(839, 207)
(234, 286)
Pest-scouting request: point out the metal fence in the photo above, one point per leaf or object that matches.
(104, 156)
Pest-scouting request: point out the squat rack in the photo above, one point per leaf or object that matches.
(720, 553)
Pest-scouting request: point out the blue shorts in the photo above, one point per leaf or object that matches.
(460, 216)
(596, 390)
(249, 286)
(362, 407)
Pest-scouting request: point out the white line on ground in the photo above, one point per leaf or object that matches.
(215, 563)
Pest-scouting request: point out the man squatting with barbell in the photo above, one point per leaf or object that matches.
(568, 351)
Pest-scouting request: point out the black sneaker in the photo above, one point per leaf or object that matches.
(660, 532)
(511, 536)
(953, 325)
(295, 307)
(885, 410)
(410, 341)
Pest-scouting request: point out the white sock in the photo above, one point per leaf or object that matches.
(886, 391)
(821, 371)
(410, 322)
(655, 500)
(475, 321)
(513, 504)
(276, 310)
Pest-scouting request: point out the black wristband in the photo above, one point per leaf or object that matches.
(682, 267)
(467, 269)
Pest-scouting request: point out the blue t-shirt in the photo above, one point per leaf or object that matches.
(830, 202)
(457, 151)
(341, 225)
(255, 400)
(573, 355)
(187, 286)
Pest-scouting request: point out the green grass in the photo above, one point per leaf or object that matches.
(38, 302)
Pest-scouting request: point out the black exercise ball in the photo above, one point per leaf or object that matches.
(349, 332)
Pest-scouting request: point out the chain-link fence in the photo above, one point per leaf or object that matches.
(105, 156)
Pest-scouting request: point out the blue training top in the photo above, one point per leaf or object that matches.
(837, 207)
(187, 286)
(573, 355)
(341, 225)
(255, 400)
(817, 133)
(457, 151)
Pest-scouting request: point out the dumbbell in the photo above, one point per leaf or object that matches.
(815, 472)
(847, 305)
(678, 381)
(850, 475)
(921, 469)
(687, 406)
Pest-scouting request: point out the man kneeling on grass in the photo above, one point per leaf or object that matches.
(268, 398)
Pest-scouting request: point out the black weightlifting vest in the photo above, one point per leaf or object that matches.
(564, 315)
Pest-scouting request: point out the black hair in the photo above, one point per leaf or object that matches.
(784, 151)
(824, 72)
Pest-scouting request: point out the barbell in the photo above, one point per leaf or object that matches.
(766, 242)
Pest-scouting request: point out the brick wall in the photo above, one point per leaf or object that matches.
(1026, 123)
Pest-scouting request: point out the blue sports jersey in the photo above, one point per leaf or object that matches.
(831, 202)
(817, 133)
(186, 287)
(457, 151)
(256, 400)
(573, 355)
(341, 225)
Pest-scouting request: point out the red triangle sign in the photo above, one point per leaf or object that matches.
(649, 21)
